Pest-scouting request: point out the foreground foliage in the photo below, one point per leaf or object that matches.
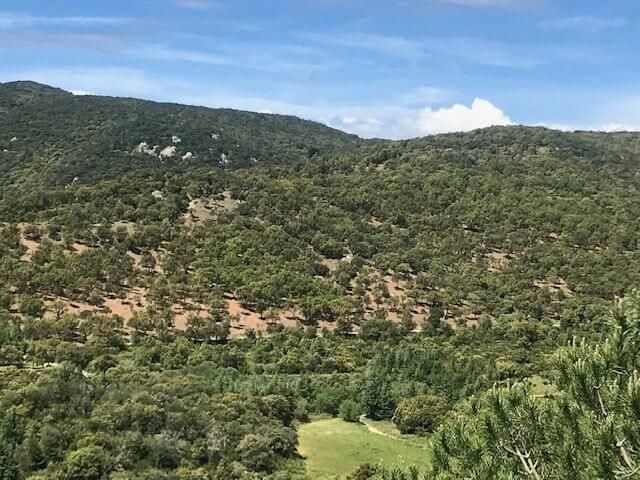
(588, 429)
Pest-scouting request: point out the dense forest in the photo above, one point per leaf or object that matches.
(182, 287)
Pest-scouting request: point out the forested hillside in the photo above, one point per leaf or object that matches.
(62, 136)
(181, 287)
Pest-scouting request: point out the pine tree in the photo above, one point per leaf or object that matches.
(589, 429)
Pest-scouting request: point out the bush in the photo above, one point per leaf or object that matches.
(420, 414)
(349, 410)
(5, 300)
(31, 306)
(88, 463)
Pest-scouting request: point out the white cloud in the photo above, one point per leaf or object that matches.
(585, 23)
(10, 20)
(618, 127)
(468, 50)
(268, 58)
(460, 118)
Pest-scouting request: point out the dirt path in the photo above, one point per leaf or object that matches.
(362, 419)
(400, 438)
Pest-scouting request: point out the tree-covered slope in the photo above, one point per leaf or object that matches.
(320, 224)
(58, 136)
(143, 297)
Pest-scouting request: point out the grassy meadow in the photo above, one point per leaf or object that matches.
(333, 448)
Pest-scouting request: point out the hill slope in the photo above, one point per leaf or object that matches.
(321, 225)
(62, 136)
(433, 269)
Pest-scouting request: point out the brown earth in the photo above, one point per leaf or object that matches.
(201, 210)
(497, 260)
(559, 286)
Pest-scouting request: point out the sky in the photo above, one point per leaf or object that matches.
(376, 68)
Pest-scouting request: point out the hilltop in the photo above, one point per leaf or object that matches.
(95, 138)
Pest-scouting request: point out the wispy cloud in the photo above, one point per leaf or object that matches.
(268, 58)
(385, 44)
(487, 53)
(10, 20)
(161, 52)
(585, 23)
(471, 50)
(129, 82)
(195, 4)
(490, 3)
(426, 95)
(69, 41)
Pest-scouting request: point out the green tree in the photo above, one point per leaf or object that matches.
(420, 414)
(31, 306)
(87, 463)
(6, 300)
(590, 429)
(376, 400)
(8, 466)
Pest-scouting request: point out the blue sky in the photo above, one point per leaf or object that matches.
(378, 68)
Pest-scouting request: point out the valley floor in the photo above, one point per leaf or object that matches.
(333, 448)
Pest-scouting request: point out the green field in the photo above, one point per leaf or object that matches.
(333, 447)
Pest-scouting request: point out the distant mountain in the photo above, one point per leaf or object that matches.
(64, 136)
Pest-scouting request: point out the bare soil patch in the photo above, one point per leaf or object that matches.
(554, 287)
(497, 260)
(203, 209)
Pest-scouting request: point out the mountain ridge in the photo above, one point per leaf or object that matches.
(32, 87)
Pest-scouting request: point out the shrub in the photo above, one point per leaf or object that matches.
(349, 410)
(420, 414)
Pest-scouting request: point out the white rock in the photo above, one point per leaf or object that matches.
(157, 194)
(14, 139)
(168, 152)
(215, 136)
(187, 156)
(143, 147)
(224, 159)
(175, 139)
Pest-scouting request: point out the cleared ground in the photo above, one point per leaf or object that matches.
(334, 448)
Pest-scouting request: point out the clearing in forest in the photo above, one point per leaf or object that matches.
(333, 448)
